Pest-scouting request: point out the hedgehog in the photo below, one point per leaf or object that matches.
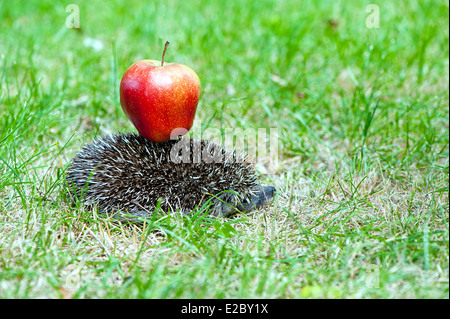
(129, 177)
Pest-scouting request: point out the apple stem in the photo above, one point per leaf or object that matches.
(164, 53)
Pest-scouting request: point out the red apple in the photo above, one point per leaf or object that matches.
(159, 97)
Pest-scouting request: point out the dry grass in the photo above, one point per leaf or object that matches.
(337, 220)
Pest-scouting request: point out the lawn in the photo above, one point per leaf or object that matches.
(362, 117)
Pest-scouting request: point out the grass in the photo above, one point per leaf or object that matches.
(362, 178)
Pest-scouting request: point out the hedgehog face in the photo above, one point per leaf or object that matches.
(230, 203)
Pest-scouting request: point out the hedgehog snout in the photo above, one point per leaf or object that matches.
(261, 196)
(269, 191)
